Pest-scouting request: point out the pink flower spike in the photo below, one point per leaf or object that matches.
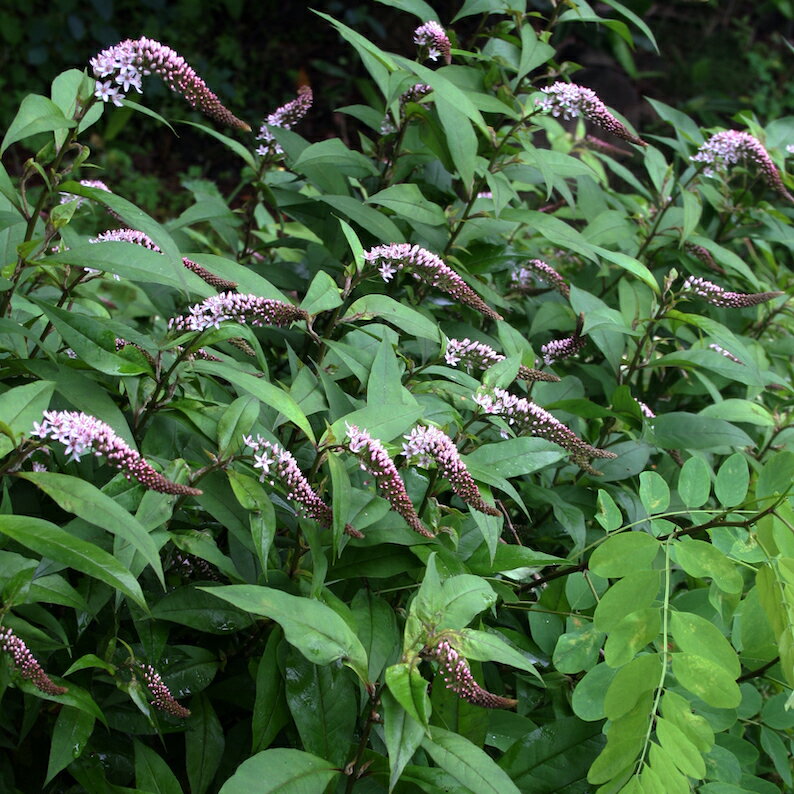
(129, 60)
(26, 663)
(377, 462)
(718, 296)
(426, 443)
(566, 347)
(523, 278)
(434, 40)
(286, 117)
(162, 698)
(476, 355)
(455, 671)
(428, 268)
(83, 434)
(725, 149)
(240, 308)
(570, 101)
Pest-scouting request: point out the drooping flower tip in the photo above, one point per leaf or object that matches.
(571, 101)
(524, 277)
(718, 296)
(82, 434)
(374, 459)
(240, 308)
(128, 61)
(725, 149)
(476, 355)
(286, 117)
(26, 664)
(457, 674)
(428, 444)
(429, 268)
(566, 347)
(432, 37)
(162, 698)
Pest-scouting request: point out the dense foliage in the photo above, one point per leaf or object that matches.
(456, 460)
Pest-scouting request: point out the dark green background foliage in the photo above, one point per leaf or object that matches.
(636, 623)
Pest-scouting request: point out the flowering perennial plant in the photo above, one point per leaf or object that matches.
(374, 459)
(139, 238)
(565, 347)
(434, 41)
(428, 268)
(241, 308)
(26, 664)
(718, 296)
(457, 674)
(286, 117)
(477, 355)
(128, 61)
(526, 417)
(571, 101)
(82, 433)
(162, 698)
(429, 443)
(523, 278)
(726, 149)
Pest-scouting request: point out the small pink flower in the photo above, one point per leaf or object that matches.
(83, 434)
(537, 269)
(162, 698)
(455, 671)
(480, 356)
(26, 664)
(286, 117)
(377, 462)
(240, 308)
(566, 347)
(428, 268)
(570, 101)
(718, 296)
(433, 38)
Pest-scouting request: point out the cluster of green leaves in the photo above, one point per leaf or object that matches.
(642, 618)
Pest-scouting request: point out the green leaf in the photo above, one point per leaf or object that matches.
(631, 635)
(468, 764)
(377, 629)
(577, 650)
(641, 675)
(241, 151)
(402, 733)
(679, 430)
(265, 392)
(152, 773)
(69, 736)
(204, 744)
(315, 629)
(608, 515)
(281, 771)
(629, 264)
(694, 482)
(384, 422)
(402, 317)
(270, 707)
(20, 407)
(777, 476)
(635, 591)
(53, 542)
(190, 606)
(623, 553)
(706, 679)
(36, 114)
(734, 410)
(699, 558)
(514, 457)
(409, 690)
(419, 8)
(733, 480)
(484, 646)
(408, 202)
(322, 295)
(588, 697)
(696, 635)
(89, 503)
(684, 754)
(654, 492)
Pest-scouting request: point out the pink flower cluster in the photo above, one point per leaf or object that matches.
(571, 101)
(456, 673)
(286, 117)
(276, 463)
(481, 356)
(377, 462)
(428, 268)
(536, 268)
(704, 255)
(139, 238)
(26, 663)
(241, 308)
(645, 410)
(718, 296)
(128, 61)
(566, 347)
(162, 698)
(83, 434)
(726, 149)
(430, 443)
(95, 183)
(526, 417)
(432, 37)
